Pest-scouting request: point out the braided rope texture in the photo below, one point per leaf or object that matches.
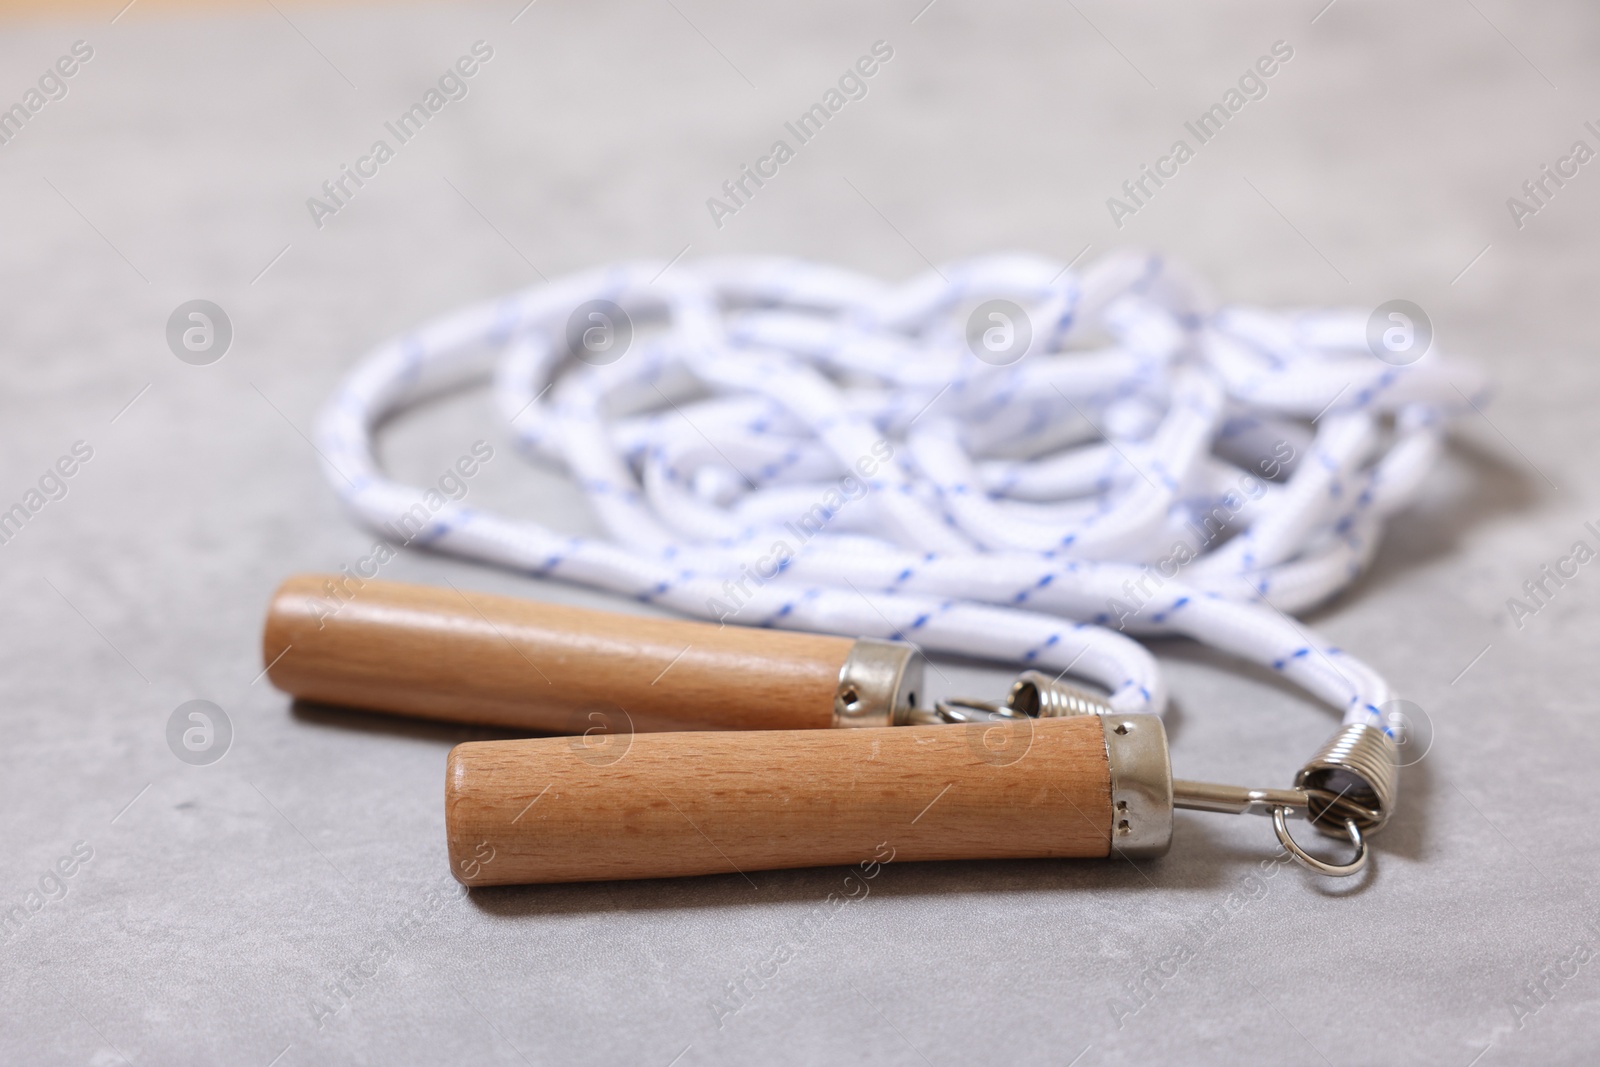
(1003, 458)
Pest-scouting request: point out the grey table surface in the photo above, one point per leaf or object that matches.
(290, 903)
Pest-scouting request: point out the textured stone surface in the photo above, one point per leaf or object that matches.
(223, 903)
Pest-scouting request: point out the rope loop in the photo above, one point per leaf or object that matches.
(1005, 458)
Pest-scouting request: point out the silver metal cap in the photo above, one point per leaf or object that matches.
(879, 684)
(1141, 785)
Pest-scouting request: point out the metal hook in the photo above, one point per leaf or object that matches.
(967, 709)
(1319, 805)
(1034, 695)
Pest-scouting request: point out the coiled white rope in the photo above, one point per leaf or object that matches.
(795, 445)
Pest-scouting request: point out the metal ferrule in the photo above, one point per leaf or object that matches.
(879, 684)
(1141, 785)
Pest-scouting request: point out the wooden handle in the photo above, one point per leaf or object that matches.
(474, 657)
(650, 806)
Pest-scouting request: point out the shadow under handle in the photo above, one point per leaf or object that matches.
(651, 806)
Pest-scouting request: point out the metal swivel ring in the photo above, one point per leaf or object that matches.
(1280, 824)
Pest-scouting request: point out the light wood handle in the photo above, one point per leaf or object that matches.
(650, 806)
(475, 657)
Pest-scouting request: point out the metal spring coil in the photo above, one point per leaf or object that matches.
(1355, 775)
(1038, 695)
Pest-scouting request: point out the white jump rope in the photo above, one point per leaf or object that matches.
(781, 443)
